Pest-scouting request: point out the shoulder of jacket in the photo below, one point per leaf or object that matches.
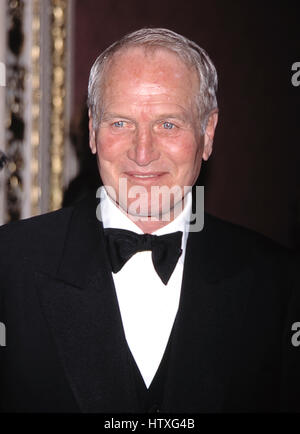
(238, 243)
(35, 237)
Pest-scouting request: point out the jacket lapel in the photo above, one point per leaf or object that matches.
(208, 325)
(81, 307)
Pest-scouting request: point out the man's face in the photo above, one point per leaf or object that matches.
(149, 131)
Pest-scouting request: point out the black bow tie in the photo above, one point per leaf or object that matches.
(166, 249)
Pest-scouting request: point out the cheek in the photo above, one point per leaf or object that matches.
(109, 147)
(184, 151)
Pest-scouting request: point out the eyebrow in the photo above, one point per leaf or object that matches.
(108, 116)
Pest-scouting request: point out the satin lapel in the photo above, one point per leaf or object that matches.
(207, 328)
(81, 307)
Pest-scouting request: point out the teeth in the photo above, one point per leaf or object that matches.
(145, 176)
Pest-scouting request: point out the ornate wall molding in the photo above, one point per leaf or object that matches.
(2, 111)
(15, 125)
(38, 104)
(58, 93)
(35, 195)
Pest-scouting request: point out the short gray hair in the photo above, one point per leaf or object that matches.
(187, 50)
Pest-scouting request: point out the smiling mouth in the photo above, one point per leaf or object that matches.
(145, 176)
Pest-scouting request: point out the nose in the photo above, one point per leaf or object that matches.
(143, 149)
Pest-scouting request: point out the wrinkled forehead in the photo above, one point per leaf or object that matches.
(136, 71)
(149, 64)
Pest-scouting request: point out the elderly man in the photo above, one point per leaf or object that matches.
(125, 304)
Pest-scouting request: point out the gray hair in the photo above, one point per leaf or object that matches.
(188, 51)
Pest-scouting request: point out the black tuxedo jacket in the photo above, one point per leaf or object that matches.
(66, 349)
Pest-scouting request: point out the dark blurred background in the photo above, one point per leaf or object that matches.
(252, 177)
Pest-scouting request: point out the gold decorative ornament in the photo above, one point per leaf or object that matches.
(35, 110)
(58, 98)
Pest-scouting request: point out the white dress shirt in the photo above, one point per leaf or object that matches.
(148, 307)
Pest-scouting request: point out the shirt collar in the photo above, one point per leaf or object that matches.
(113, 217)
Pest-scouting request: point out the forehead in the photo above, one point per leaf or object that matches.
(134, 67)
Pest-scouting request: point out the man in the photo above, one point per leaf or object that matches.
(125, 305)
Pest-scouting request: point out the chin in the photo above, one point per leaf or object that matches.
(156, 209)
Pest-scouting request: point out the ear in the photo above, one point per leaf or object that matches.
(92, 141)
(209, 134)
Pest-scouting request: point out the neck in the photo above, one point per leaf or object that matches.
(149, 225)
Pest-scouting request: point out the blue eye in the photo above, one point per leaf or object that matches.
(168, 125)
(118, 124)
